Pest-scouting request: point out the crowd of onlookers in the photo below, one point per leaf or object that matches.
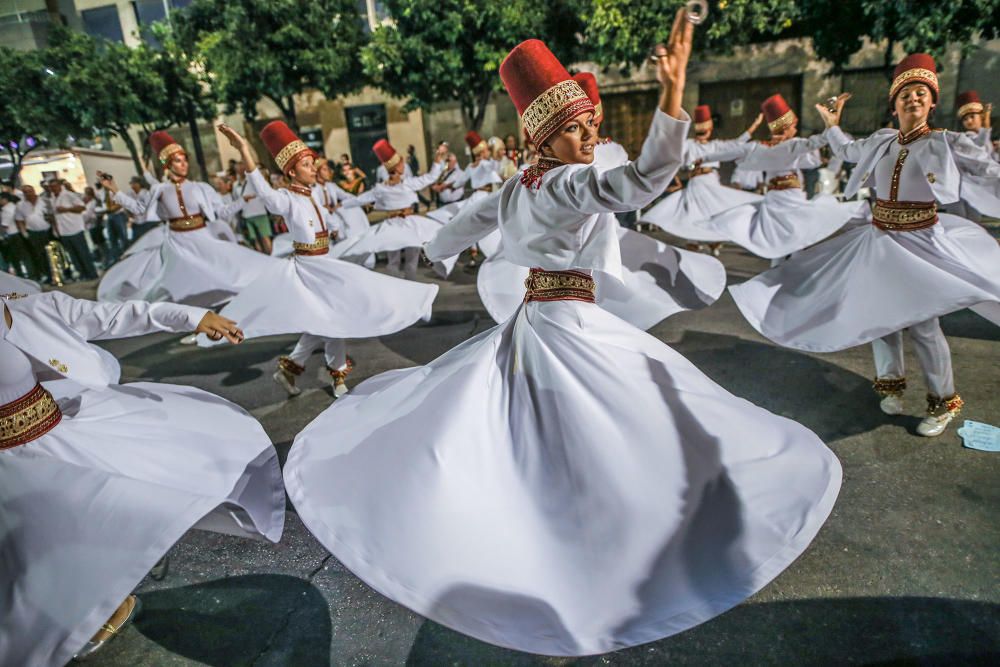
(93, 231)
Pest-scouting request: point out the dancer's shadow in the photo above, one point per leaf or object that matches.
(831, 401)
(967, 324)
(834, 631)
(424, 343)
(234, 622)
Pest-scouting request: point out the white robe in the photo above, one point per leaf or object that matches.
(581, 487)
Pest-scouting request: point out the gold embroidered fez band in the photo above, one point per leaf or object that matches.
(911, 75)
(169, 152)
(701, 171)
(393, 161)
(320, 246)
(188, 223)
(971, 107)
(552, 108)
(28, 418)
(288, 152)
(543, 285)
(903, 216)
(786, 182)
(782, 121)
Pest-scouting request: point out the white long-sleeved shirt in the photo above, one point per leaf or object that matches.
(303, 216)
(710, 153)
(455, 180)
(382, 174)
(165, 197)
(562, 218)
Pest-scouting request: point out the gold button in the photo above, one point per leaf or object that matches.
(931, 177)
(58, 365)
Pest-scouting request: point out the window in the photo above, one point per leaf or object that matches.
(103, 22)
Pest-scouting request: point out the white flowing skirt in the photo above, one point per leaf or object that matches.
(868, 283)
(156, 236)
(685, 213)
(88, 508)
(327, 297)
(783, 222)
(193, 268)
(411, 231)
(659, 281)
(12, 284)
(563, 484)
(490, 244)
(982, 194)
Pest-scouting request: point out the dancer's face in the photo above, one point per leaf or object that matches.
(786, 133)
(324, 174)
(913, 104)
(178, 165)
(303, 171)
(703, 135)
(973, 122)
(573, 143)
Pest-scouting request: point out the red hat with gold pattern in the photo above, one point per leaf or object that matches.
(914, 68)
(777, 113)
(588, 82)
(968, 102)
(476, 143)
(386, 154)
(545, 95)
(164, 146)
(702, 118)
(284, 145)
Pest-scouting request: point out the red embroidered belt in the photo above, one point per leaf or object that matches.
(28, 418)
(543, 285)
(320, 246)
(904, 216)
(786, 182)
(187, 224)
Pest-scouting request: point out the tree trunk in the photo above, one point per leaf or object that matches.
(480, 108)
(292, 115)
(199, 154)
(132, 149)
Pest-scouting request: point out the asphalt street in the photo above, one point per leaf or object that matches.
(906, 570)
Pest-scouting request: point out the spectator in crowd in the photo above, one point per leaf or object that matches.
(350, 177)
(12, 246)
(68, 208)
(35, 228)
(256, 221)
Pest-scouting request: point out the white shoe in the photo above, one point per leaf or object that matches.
(931, 426)
(287, 383)
(190, 339)
(339, 387)
(892, 405)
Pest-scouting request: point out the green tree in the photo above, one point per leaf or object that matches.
(274, 49)
(838, 29)
(450, 50)
(622, 32)
(30, 117)
(101, 86)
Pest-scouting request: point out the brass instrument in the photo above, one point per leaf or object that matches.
(58, 261)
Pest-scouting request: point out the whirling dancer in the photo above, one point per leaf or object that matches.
(324, 299)
(658, 280)
(686, 212)
(980, 196)
(909, 267)
(612, 494)
(402, 232)
(98, 484)
(189, 265)
(784, 221)
(352, 221)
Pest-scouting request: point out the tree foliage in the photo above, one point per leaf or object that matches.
(274, 49)
(622, 32)
(450, 50)
(838, 29)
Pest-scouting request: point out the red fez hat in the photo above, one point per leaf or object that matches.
(164, 146)
(386, 154)
(476, 143)
(542, 90)
(969, 102)
(283, 144)
(914, 68)
(702, 118)
(588, 82)
(777, 113)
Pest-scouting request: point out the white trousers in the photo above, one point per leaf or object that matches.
(932, 351)
(335, 350)
(411, 259)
